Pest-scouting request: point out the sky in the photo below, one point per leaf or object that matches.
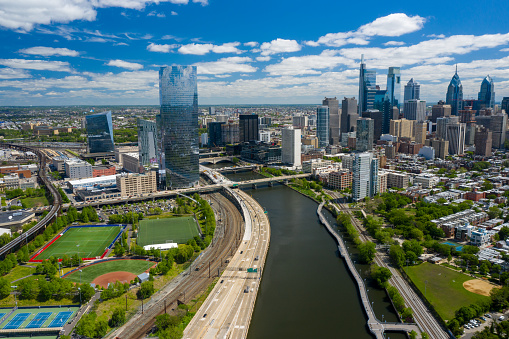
(108, 52)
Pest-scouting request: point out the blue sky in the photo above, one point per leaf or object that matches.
(93, 52)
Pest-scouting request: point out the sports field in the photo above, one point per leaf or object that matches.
(444, 288)
(160, 231)
(87, 241)
(35, 318)
(89, 273)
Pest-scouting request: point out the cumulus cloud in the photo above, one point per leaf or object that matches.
(40, 65)
(11, 73)
(125, 64)
(226, 66)
(160, 48)
(279, 46)
(49, 51)
(157, 14)
(309, 64)
(251, 44)
(202, 49)
(263, 58)
(174, 13)
(394, 43)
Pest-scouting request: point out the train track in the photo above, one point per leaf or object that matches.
(192, 282)
(421, 314)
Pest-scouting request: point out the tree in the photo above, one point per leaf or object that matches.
(87, 292)
(146, 290)
(397, 255)
(381, 275)
(494, 212)
(118, 317)
(5, 288)
(367, 252)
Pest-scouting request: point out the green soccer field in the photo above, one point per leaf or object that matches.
(89, 273)
(160, 231)
(88, 242)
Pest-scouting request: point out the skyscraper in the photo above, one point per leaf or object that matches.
(215, 134)
(455, 94)
(367, 87)
(334, 119)
(440, 110)
(412, 91)
(100, 133)
(505, 104)
(291, 145)
(177, 127)
(365, 134)
(415, 109)
(377, 118)
(322, 125)
(393, 86)
(456, 137)
(365, 176)
(498, 125)
(487, 93)
(483, 141)
(348, 109)
(147, 141)
(248, 127)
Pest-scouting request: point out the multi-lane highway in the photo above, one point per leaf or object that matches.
(227, 311)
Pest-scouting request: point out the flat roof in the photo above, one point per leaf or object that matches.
(15, 216)
(92, 180)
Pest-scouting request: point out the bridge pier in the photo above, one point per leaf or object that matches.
(253, 186)
(271, 183)
(286, 181)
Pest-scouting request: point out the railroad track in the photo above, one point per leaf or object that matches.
(191, 283)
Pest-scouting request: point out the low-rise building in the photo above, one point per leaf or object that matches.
(106, 181)
(103, 170)
(78, 169)
(88, 195)
(310, 165)
(131, 162)
(426, 180)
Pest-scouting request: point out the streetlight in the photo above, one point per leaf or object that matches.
(79, 289)
(15, 301)
(80, 276)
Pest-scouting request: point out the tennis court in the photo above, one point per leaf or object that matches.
(60, 319)
(160, 231)
(39, 320)
(34, 318)
(16, 321)
(86, 241)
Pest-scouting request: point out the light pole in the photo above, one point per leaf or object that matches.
(79, 289)
(80, 276)
(15, 301)
(425, 287)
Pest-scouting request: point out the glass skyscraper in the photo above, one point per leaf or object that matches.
(367, 87)
(487, 93)
(177, 127)
(100, 133)
(412, 91)
(322, 125)
(365, 176)
(147, 141)
(393, 86)
(455, 94)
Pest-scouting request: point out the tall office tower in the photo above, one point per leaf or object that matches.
(100, 133)
(393, 86)
(215, 134)
(402, 128)
(367, 83)
(505, 104)
(455, 94)
(412, 91)
(147, 141)
(365, 176)
(212, 110)
(483, 141)
(420, 132)
(377, 117)
(379, 99)
(441, 148)
(322, 126)
(348, 110)
(248, 127)
(440, 110)
(177, 127)
(221, 118)
(498, 126)
(456, 137)
(365, 134)
(487, 93)
(334, 120)
(415, 109)
(441, 131)
(291, 145)
(230, 133)
(300, 121)
(467, 116)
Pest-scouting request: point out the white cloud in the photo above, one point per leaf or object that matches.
(10, 73)
(440, 36)
(159, 15)
(160, 48)
(174, 13)
(309, 64)
(394, 43)
(226, 66)
(40, 65)
(263, 58)
(280, 46)
(251, 44)
(202, 49)
(49, 51)
(202, 2)
(504, 50)
(125, 64)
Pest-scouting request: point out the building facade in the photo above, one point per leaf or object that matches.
(412, 91)
(147, 141)
(322, 125)
(78, 169)
(455, 94)
(291, 146)
(415, 109)
(137, 184)
(365, 176)
(248, 127)
(365, 134)
(100, 133)
(334, 120)
(487, 93)
(483, 141)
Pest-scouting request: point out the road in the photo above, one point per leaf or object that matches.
(227, 311)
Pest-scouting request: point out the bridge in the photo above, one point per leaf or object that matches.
(375, 326)
(213, 160)
(236, 168)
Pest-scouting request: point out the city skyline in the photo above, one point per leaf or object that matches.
(96, 53)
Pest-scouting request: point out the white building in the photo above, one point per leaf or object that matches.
(365, 176)
(105, 181)
(264, 136)
(204, 139)
(427, 180)
(291, 144)
(310, 165)
(78, 169)
(415, 110)
(131, 162)
(427, 152)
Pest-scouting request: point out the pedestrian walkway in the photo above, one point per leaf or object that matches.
(375, 326)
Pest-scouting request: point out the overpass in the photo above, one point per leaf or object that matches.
(234, 169)
(214, 160)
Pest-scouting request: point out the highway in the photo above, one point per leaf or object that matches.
(227, 311)
(195, 280)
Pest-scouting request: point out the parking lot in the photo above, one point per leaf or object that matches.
(481, 323)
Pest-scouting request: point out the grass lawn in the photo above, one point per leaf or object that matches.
(160, 231)
(19, 272)
(88, 242)
(34, 202)
(93, 271)
(444, 288)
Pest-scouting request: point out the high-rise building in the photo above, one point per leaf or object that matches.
(248, 127)
(402, 128)
(483, 141)
(221, 118)
(300, 121)
(230, 133)
(334, 119)
(415, 109)
(147, 141)
(177, 127)
(215, 134)
(420, 132)
(440, 110)
(367, 82)
(365, 176)
(505, 104)
(322, 126)
(412, 91)
(487, 93)
(455, 94)
(265, 136)
(212, 110)
(498, 126)
(348, 111)
(441, 148)
(456, 137)
(365, 134)
(377, 117)
(393, 86)
(100, 133)
(291, 145)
